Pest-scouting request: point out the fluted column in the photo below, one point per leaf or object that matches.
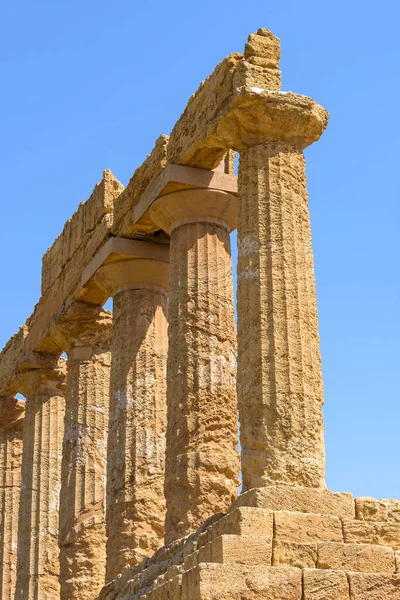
(11, 425)
(136, 443)
(38, 556)
(201, 449)
(84, 332)
(280, 388)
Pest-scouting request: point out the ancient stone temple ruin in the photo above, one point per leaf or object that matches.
(120, 472)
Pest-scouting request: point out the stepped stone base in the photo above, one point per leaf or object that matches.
(278, 543)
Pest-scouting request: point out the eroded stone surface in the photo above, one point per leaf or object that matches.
(38, 565)
(293, 554)
(235, 582)
(280, 391)
(11, 426)
(136, 445)
(201, 454)
(299, 499)
(372, 586)
(237, 549)
(369, 509)
(355, 557)
(137, 279)
(364, 532)
(325, 585)
(303, 527)
(246, 536)
(246, 521)
(85, 334)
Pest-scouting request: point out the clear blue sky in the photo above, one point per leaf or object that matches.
(90, 85)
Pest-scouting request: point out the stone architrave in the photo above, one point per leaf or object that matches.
(11, 426)
(136, 442)
(38, 556)
(202, 463)
(84, 333)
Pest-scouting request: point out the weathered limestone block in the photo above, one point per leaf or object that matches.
(202, 463)
(239, 549)
(264, 46)
(325, 585)
(136, 442)
(260, 68)
(204, 537)
(355, 557)
(191, 561)
(397, 560)
(11, 425)
(151, 579)
(369, 509)
(372, 586)
(38, 561)
(238, 582)
(245, 521)
(136, 504)
(169, 590)
(292, 554)
(84, 332)
(366, 532)
(303, 527)
(299, 499)
(280, 389)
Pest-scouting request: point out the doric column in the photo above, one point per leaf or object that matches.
(11, 425)
(280, 382)
(136, 443)
(201, 451)
(38, 555)
(84, 332)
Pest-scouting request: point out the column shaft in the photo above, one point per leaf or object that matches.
(201, 455)
(136, 443)
(38, 556)
(83, 331)
(280, 388)
(82, 504)
(10, 485)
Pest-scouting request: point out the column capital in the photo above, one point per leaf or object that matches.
(191, 205)
(259, 116)
(133, 274)
(83, 329)
(43, 380)
(123, 264)
(11, 413)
